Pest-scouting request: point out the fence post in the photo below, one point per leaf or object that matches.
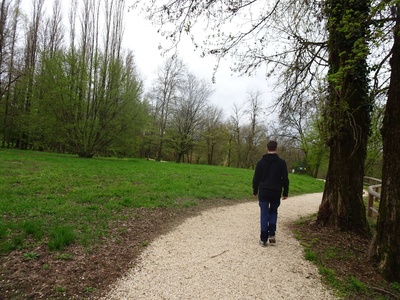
(370, 204)
(375, 186)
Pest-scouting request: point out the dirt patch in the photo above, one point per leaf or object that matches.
(79, 273)
(345, 253)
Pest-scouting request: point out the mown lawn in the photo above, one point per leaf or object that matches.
(62, 199)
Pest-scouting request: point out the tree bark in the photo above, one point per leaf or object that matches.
(387, 241)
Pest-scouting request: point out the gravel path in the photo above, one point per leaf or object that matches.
(216, 255)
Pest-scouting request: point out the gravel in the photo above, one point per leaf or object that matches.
(217, 255)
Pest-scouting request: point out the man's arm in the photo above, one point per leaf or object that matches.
(285, 181)
(256, 180)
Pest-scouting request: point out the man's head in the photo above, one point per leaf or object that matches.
(271, 146)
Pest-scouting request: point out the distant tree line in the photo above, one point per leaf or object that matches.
(186, 127)
(67, 85)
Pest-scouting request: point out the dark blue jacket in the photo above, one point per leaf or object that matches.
(271, 174)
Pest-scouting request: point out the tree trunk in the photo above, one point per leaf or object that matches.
(179, 157)
(387, 239)
(342, 204)
(210, 152)
(348, 115)
(229, 155)
(159, 149)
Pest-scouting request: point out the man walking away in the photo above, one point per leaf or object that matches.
(270, 182)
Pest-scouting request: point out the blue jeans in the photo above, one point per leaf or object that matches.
(269, 203)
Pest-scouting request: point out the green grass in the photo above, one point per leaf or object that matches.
(310, 255)
(62, 199)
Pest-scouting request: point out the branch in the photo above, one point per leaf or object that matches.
(384, 292)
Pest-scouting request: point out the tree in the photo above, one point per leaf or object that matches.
(163, 95)
(348, 115)
(130, 113)
(387, 240)
(235, 130)
(252, 138)
(9, 68)
(301, 121)
(188, 115)
(54, 31)
(92, 93)
(295, 119)
(31, 56)
(44, 128)
(316, 151)
(213, 132)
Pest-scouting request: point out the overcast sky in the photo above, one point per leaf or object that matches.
(141, 37)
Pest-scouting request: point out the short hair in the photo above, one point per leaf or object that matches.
(272, 145)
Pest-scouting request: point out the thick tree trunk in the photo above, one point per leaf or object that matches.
(348, 111)
(387, 242)
(342, 204)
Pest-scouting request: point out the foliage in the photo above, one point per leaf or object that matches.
(84, 101)
(31, 255)
(90, 119)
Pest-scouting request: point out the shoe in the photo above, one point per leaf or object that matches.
(272, 239)
(263, 244)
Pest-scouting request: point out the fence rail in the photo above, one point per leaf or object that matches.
(374, 187)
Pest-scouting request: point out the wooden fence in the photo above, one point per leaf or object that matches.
(374, 188)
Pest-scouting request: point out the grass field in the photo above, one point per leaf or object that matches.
(62, 199)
